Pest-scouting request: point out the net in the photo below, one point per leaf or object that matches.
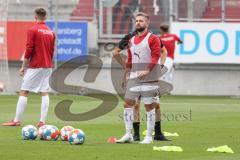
(4, 70)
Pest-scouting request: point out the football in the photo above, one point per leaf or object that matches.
(29, 132)
(76, 136)
(50, 133)
(64, 132)
(41, 131)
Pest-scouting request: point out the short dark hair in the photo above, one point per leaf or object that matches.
(142, 14)
(41, 13)
(164, 27)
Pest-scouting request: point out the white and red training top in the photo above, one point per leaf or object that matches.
(144, 49)
(144, 52)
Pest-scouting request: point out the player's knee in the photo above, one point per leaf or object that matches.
(137, 106)
(149, 107)
(44, 93)
(129, 103)
(157, 106)
(23, 93)
(157, 112)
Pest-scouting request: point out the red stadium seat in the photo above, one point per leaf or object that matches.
(84, 10)
(214, 10)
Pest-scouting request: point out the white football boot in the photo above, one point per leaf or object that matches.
(146, 140)
(127, 138)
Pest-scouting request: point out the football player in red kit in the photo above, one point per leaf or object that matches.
(36, 67)
(169, 40)
(144, 51)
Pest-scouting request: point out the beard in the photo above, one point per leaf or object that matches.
(140, 29)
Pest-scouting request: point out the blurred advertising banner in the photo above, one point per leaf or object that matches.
(16, 38)
(208, 42)
(72, 39)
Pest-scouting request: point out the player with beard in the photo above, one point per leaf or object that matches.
(169, 40)
(143, 55)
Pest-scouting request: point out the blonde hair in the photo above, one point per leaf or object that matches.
(143, 15)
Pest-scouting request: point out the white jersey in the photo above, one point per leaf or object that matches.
(141, 59)
(141, 56)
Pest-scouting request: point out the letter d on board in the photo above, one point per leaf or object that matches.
(238, 43)
(183, 34)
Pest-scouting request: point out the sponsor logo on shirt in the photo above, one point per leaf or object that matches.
(44, 31)
(167, 38)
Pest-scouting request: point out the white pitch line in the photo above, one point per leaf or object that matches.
(203, 104)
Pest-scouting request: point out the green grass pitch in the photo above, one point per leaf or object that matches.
(201, 122)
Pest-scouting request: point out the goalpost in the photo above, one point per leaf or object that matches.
(4, 70)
